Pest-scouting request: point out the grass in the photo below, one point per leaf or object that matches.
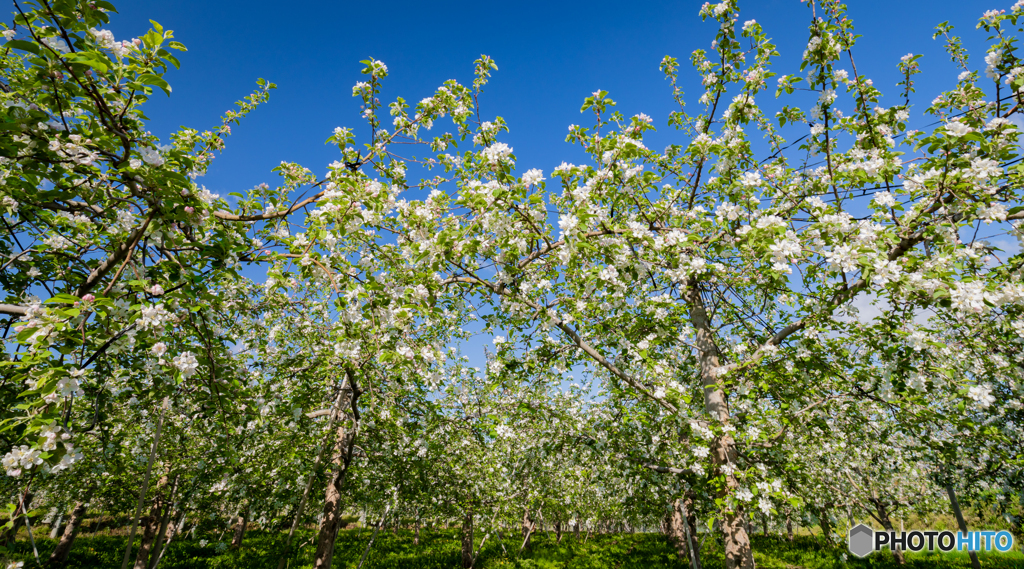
(441, 550)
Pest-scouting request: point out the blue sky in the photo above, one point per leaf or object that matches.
(551, 55)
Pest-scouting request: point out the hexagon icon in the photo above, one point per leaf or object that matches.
(861, 540)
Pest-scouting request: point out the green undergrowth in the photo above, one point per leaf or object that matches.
(441, 550)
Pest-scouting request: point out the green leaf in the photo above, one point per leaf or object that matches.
(24, 46)
(68, 298)
(90, 58)
(156, 80)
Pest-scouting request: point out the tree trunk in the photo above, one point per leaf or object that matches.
(576, 527)
(161, 535)
(960, 521)
(558, 531)
(342, 457)
(60, 553)
(416, 535)
(151, 525)
(689, 522)
(738, 553)
(172, 531)
(309, 483)
(162, 532)
(883, 517)
(329, 521)
(789, 525)
(826, 526)
(243, 523)
(145, 482)
(467, 540)
(528, 526)
(673, 525)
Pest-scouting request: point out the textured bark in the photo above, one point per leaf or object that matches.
(467, 540)
(789, 526)
(883, 516)
(243, 523)
(329, 521)
(336, 411)
(826, 526)
(558, 531)
(67, 539)
(151, 526)
(342, 457)
(528, 527)
(673, 528)
(738, 552)
(689, 521)
(416, 535)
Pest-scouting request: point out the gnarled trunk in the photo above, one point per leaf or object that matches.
(342, 457)
(60, 553)
(329, 523)
(528, 526)
(826, 526)
(883, 517)
(738, 552)
(672, 525)
(243, 523)
(467, 540)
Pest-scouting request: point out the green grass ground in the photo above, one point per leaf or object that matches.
(440, 550)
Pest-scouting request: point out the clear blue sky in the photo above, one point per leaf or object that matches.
(550, 54)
